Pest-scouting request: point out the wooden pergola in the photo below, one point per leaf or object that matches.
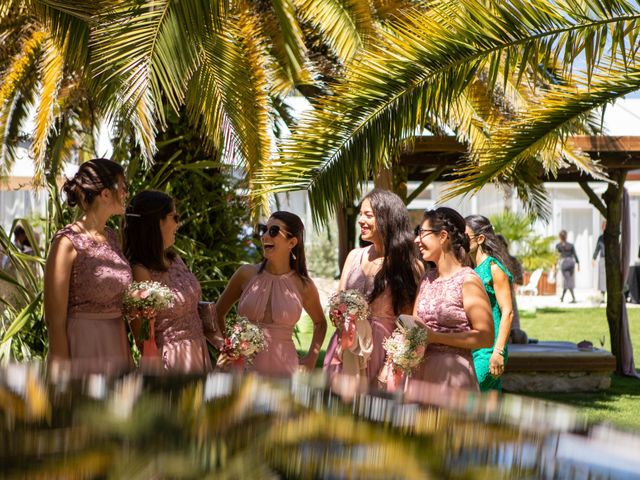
(430, 153)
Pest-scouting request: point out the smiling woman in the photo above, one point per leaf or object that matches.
(387, 272)
(273, 294)
(177, 332)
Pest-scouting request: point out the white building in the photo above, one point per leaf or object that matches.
(571, 210)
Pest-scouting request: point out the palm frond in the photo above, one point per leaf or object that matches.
(541, 131)
(229, 96)
(288, 42)
(52, 72)
(20, 65)
(68, 22)
(344, 23)
(429, 58)
(147, 52)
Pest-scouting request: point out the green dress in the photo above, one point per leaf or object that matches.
(482, 356)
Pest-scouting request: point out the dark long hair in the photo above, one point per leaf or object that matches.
(449, 220)
(398, 271)
(90, 180)
(492, 245)
(295, 227)
(143, 243)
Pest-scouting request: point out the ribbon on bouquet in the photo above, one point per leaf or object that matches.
(356, 345)
(392, 377)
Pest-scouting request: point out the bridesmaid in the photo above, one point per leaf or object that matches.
(451, 303)
(86, 276)
(489, 256)
(387, 272)
(272, 295)
(149, 234)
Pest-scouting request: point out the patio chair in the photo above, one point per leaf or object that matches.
(532, 285)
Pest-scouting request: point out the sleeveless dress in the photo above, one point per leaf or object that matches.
(273, 303)
(381, 319)
(440, 307)
(96, 330)
(178, 330)
(482, 356)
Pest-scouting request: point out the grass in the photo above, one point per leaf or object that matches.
(616, 405)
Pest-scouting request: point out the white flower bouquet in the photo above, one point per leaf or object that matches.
(143, 300)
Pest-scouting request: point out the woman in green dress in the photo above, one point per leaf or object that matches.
(488, 256)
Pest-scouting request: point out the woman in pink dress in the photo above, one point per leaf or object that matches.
(149, 234)
(452, 304)
(273, 294)
(387, 272)
(86, 276)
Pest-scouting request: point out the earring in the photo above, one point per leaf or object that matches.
(293, 255)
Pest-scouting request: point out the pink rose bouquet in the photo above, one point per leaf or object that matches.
(243, 340)
(143, 300)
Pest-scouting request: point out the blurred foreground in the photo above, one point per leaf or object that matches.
(232, 427)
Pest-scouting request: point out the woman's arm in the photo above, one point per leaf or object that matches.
(232, 292)
(57, 278)
(346, 268)
(502, 288)
(478, 310)
(140, 274)
(311, 304)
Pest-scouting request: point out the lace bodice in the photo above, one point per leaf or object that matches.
(440, 304)
(279, 291)
(181, 322)
(382, 305)
(100, 273)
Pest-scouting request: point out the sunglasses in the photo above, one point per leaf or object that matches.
(273, 231)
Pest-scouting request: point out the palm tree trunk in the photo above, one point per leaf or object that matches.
(612, 255)
(611, 209)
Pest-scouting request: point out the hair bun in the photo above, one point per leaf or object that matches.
(71, 190)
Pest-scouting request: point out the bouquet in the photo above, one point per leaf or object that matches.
(143, 300)
(346, 308)
(405, 349)
(242, 341)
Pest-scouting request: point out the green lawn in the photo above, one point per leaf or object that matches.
(618, 404)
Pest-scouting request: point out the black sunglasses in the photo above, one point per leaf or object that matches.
(273, 230)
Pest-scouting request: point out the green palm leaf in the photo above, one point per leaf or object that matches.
(541, 131)
(149, 51)
(430, 58)
(344, 24)
(52, 71)
(229, 95)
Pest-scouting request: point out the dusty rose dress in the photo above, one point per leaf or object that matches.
(273, 303)
(178, 330)
(440, 307)
(381, 318)
(96, 329)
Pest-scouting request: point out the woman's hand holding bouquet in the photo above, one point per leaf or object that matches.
(405, 350)
(142, 301)
(243, 340)
(346, 309)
